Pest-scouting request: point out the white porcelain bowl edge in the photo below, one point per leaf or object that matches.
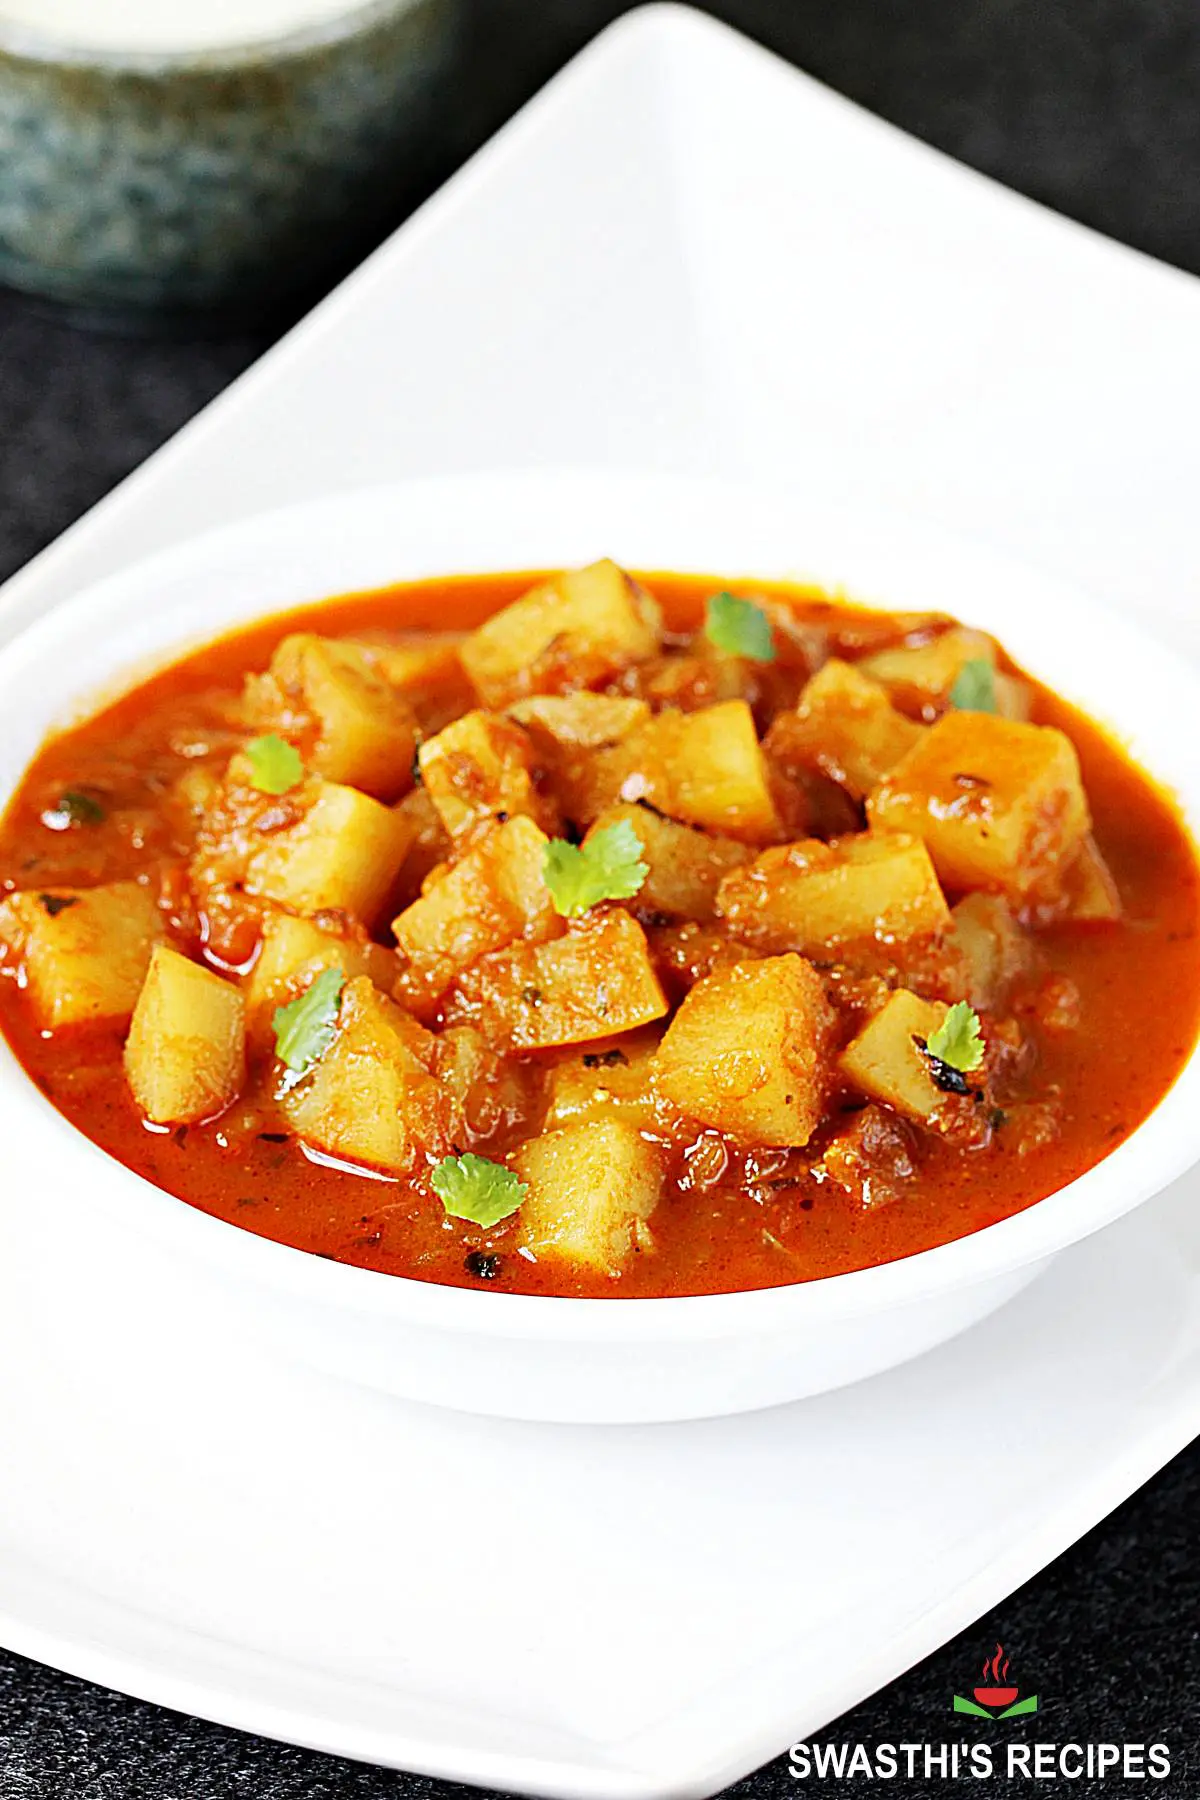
(571, 1359)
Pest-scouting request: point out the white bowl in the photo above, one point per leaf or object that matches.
(592, 1360)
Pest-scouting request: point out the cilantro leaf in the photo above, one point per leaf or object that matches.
(608, 867)
(739, 628)
(471, 1187)
(275, 765)
(957, 1042)
(305, 1027)
(73, 807)
(974, 687)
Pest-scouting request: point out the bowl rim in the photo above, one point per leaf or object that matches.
(1160, 1149)
(355, 19)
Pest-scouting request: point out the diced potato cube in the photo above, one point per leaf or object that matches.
(844, 727)
(576, 630)
(291, 953)
(1089, 891)
(193, 794)
(921, 675)
(746, 1051)
(372, 1098)
(835, 901)
(595, 981)
(484, 766)
(994, 948)
(185, 1057)
(1000, 804)
(83, 952)
(494, 1092)
(430, 843)
(427, 670)
(685, 865)
(366, 733)
(605, 1081)
(703, 768)
(580, 721)
(342, 855)
(1014, 697)
(589, 1187)
(886, 1062)
(700, 677)
(494, 895)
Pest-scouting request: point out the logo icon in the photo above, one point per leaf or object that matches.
(996, 1697)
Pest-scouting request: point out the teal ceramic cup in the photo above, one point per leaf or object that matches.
(186, 182)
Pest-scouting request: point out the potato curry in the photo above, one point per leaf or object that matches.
(592, 935)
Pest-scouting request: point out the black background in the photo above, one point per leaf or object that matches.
(1092, 106)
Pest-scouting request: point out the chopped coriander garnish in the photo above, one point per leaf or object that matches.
(470, 1187)
(73, 807)
(958, 1042)
(275, 765)
(739, 628)
(305, 1028)
(974, 687)
(608, 866)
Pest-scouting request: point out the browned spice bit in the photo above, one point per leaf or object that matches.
(273, 1137)
(604, 1059)
(56, 903)
(180, 1135)
(483, 1264)
(944, 1074)
(531, 996)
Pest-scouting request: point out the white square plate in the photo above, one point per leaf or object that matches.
(688, 257)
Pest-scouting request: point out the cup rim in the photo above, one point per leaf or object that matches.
(27, 44)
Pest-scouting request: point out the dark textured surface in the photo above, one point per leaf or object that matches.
(1090, 105)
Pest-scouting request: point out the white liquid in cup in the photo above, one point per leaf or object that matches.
(149, 26)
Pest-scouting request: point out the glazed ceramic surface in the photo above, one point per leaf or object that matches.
(209, 179)
(964, 357)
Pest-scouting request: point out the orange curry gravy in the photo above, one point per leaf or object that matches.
(1137, 982)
